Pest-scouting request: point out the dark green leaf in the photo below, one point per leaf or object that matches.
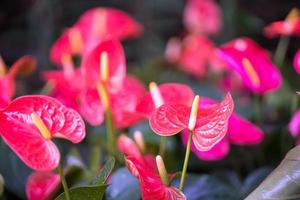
(283, 182)
(93, 192)
(104, 172)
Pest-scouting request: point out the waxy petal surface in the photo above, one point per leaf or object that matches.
(151, 184)
(285, 28)
(116, 64)
(294, 125)
(20, 133)
(263, 75)
(23, 66)
(171, 93)
(42, 185)
(297, 62)
(212, 124)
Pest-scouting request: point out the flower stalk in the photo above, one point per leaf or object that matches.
(64, 182)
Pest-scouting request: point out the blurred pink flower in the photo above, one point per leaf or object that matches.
(297, 62)
(294, 126)
(287, 27)
(194, 55)
(240, 132)
(252, 63)
(202, 17)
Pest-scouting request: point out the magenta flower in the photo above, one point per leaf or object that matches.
(297, 62)
(42, 185)
(193, 55)
(252, 63)
(202, 17)
(289, 26)
(294, 126)
(240, 132)
(28, 124)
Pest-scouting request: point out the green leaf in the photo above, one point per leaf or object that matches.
(104, 172)
(283, 182)
(93, 192)
(1, 185)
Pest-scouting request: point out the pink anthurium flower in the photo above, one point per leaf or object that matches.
(167, 93)
(93, 27)
(42, 185)
(294, 126)
(23, 66)
(28, 123)
(193, 55)
(136, 149)
(208, 125)
(202, 17)
(240, 132)
(252, 63)
(153, 185)
(297, 62)
(289, 26)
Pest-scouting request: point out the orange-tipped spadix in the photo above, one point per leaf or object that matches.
(41, 126)
(250, 71)
(156, 95)
(75, 40)
(194, 112)
(104, 67)
(162, 170)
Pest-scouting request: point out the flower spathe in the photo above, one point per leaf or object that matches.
(151, 184)
(28, 123)
(289, 26)
(297, 62)
(210, 126)
(202, 17)
(294, 125)
(251, 62)
(42, 185)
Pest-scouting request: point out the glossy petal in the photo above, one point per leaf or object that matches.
(297, 62)
(151, 184)
(262, 76)
(169, 119)
(42, 185)
(294, 125)
(212, 124)
(128, 147)
(19, 132)
(285, 28)
(243, 132)
(171, 92)
(218, 152)
(23, 66)
(202, 17)
(116, 63)
(7, 88)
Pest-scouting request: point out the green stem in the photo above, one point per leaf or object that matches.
(162, 146)
(186, 160)
(258, 109)
(64, 182)
(95, 158)
(294, 103)
(110, 132)
(281, 50)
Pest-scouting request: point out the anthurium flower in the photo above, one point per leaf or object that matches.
(294, 126)
(42, 185)
(202, 17)
(193, 55)
(252, 63)
(287, 27)
(23, 66)
(208, 124)
(151, 184)
(170, 93)
(28, 123)
(297, 62)
(93, 27)
(240, 132)
(123, 103)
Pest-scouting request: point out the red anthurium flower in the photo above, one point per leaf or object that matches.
(252, 63)
(167, 93)
(294, 126)
(193, 55)
(123, 104)
(240, 132)
(109, 53)
(208, 125)
(202, 17)
(23, 66)
(93, 27)
(287, 27)
(151, 184)
(42, 185)
(28, 123)
(297, 62)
